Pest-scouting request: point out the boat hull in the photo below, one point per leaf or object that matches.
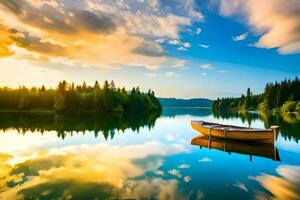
(257, 135)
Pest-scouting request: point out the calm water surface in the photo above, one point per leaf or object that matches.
(138, 161)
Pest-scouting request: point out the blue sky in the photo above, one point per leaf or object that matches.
(184, 49)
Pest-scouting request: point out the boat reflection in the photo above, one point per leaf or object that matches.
(251, 149)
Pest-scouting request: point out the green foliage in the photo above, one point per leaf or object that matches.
(276, 97)
(263, 107)
(289, 106)
(68, 98)
(298, 107)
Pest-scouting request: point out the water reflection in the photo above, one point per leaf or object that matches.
(284, 186)
(231, 146)
(157, 163)
(199, 112)
(68, 125)
(88, 172)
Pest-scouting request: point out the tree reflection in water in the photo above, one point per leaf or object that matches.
(69, 124)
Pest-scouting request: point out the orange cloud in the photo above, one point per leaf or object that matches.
(5, 42)
(89, 33)
(286, 186)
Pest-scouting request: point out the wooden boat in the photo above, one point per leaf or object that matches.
(236, 132)
(234, 146)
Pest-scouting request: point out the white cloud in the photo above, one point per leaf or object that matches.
(174, 42)
(158, 172)
(187, 179)
(183, 45)
(160, 40)
(203, 73)
(204, 46)
(207, 66)
(198, 31)
(240, 37)
(206, 159)
(241, 186)
(182, 49)
(275, 21)
(187, 45)
(183, 166)
(189, 6)
(175, 172)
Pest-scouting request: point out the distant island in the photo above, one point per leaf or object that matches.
(69, 98)
(196, 102)
(278, 97)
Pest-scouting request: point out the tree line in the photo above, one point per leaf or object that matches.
(71, 98)
(281, 96)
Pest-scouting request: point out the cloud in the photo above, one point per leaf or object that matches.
(206, 159)
(160, 40)
(182, 49)
(55, 18)
(187, 179)
(190, 6)
(175, 172)
(35, 44)
(241, 186)
(198, 31)
(207, 66)
(149, 49)
(174, 42)
(158, 26)
(5, 42)
(92, 33)
(54, 171)
(240, 37)
(183, 166)
(277, 22)
(183, 45)
(284, 186)
(158, 172)
(204, 46)
(187, 45)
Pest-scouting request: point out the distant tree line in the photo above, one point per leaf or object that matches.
(281, 96)
(71, 98)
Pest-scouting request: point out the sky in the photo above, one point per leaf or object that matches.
(183, 49)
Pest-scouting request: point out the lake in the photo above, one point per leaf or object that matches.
(53, 158)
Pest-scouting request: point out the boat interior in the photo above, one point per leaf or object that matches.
(226, 127)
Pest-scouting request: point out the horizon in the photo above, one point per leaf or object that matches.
(179, 49)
